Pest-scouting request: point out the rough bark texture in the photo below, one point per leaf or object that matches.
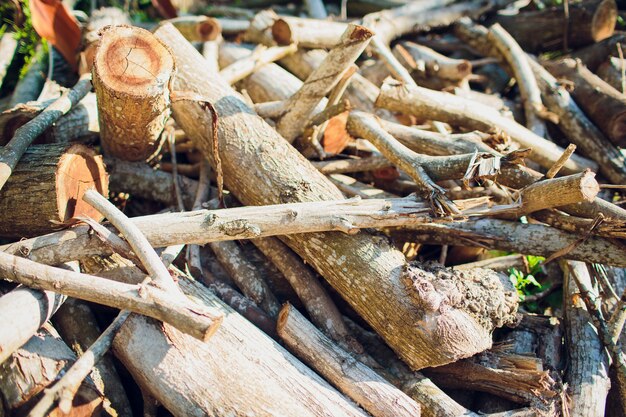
(588, 22)
(353, 378)
(611, 73)
(603, 104)
(588, 367)
(46, 189)
(37, 365)
(364, 269)
(131, 75)
(240, 371)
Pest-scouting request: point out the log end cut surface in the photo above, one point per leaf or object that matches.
(603, 23)
(79, 170)
(133, 61)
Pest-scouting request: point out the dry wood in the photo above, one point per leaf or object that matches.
(603, 104)
(242, 68)
(25, 135)
(571, 148)
(316, 9)
(320, 307)
(65, 389)
(528, 239)
(611, 72)
(307, 33)
(427, 63)
(524, 76)
(46, 189)
(142, 299)
(286, 177)
(34, 367)
(81, 121)
(321, 81)
(246, 276)
(8, 47)
(131, 78)
(29, 86)
(366, 126)
(609, 228)
(216, 377)
(586, 22)
(342, 166)
(594, 55)
(136, 240)
(76, 323)
(353, 378)
(588, 366)
(98, 20)
(466, 113)
(210, 51)
(23, 311)
(572, 120)
(196, 28)
(351, 188)
(499, 264)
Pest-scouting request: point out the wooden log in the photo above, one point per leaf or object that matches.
(78, 327)
(46, 189)
(353, 378)
(383, 306)
(29, 86)
(594, 55)
(602, 103)
(98, 20)
(459, 111)
(611, 73)
(81, 121)
(242, 68)
(235, 372)
(587, 22)
(430, 63)
(587, 375)
(321, 81)
(316, 9)
(196, 28)
(24, 311)
(131, 84)
(34, 367)
(8, 47)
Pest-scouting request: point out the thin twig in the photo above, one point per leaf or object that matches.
(561, 161)
(620, 53)
(171, 138)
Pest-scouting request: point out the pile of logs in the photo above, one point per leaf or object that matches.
(301, 210)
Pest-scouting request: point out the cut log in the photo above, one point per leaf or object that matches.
(594, 55)
(239, 371)
(430, 63)
(37, 365)
(353, 378)
(371, 280)
(29, 86)
(587, 373)
(98, 20)
(242, 68)
(588, 21)
(131, 76)
(455, 110)
(197, 28)
(603, 104)
(46, 189)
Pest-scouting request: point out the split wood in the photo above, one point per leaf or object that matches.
(25, 135)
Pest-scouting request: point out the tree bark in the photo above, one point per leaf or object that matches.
(594, 55)
(46, 189)
(30, 85)
(462, 112)
(277, 173)
(242, 68)
(353, 378)
(37, 365)
(611, 73)
(239, 371)
(603, 104)
(588, 22)
(131, 77)
(587, 373)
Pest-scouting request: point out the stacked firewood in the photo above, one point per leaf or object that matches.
(294, 211)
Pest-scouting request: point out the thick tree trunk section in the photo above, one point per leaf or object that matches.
(46, 189)
(589, 21)
(365, 269)
(131, 76)
(603, 104)
(353, 378)
(240, 371)
(37, 365)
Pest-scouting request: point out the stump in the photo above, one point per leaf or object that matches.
(46, 189)
(131, 75)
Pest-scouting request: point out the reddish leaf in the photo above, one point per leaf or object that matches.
(54, 22)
